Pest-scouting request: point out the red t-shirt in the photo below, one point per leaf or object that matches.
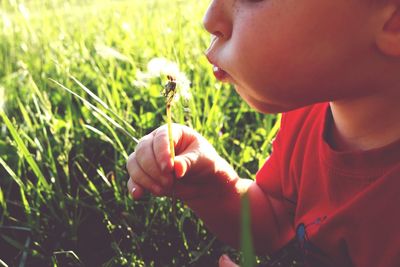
(345, 205)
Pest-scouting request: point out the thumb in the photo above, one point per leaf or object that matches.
(183, 164)
(225, 261)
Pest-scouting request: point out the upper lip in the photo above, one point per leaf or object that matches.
(210, 59)
(210, 53)
(209, 50)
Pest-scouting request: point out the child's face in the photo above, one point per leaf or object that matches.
(283, 54)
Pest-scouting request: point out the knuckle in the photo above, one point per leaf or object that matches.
(130, 160)
(139, 145)
(134, 177)
(144, 159)
(142, 141)
(141, 149)
(161, 134)
(134, 172)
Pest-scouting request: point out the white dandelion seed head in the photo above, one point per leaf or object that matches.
(183, 84)
(161, 68)
(158, 67)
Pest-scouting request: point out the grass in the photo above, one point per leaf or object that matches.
(74, 108)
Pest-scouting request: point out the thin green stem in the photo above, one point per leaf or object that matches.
(169, 93)
(172, 149)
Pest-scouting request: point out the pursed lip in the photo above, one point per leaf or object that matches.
(211, 51)
(219, 72)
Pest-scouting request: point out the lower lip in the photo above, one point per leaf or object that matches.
(219, 73)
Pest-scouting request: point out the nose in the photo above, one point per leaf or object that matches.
(218, 18)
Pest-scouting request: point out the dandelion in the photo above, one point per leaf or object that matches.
(178, 86)
(184, 86)
(169, 93)
(162, 67)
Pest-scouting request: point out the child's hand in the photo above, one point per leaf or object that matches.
(198, 170)
(225, 261)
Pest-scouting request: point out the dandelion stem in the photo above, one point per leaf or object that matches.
(172, 155)
(169, 93)
(171, 140)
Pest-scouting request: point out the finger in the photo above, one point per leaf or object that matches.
(135, 190)
(183, 137)
(184, 162)
(139, 177)
(146, 159)
(162, 150)
(225, 261)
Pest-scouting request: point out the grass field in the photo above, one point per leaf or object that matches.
(74, 98)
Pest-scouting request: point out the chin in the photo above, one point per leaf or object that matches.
(273, 110)
(262, 106)
(269, 107)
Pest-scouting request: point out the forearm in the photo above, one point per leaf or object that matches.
(221, 214)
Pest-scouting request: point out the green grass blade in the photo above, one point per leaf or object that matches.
(3, 206)
(102, 113)
(12, 173)
(90, 93)
(102, 135)
(3, 264)
(21, 185)
(246, 235)
(103, 176)
(25, 152)
(102, 103)
(118, 144)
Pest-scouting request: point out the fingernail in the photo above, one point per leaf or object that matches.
(132, 191)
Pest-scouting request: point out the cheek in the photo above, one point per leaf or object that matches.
(301, 56)
(269, 51)
(296, 55)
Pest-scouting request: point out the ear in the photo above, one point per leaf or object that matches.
(388, 39)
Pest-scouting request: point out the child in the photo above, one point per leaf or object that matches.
(332, 184)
